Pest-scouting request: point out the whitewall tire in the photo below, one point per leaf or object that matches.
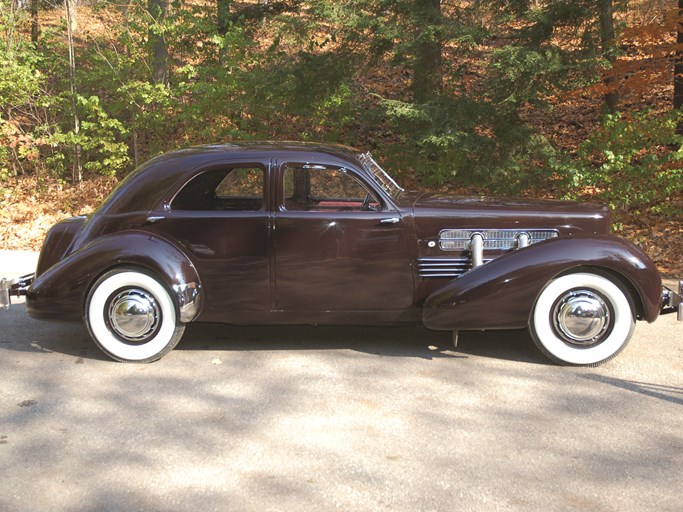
(582, 319)
(131, 316)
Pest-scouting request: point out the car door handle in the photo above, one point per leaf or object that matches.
(154, 218)
(390, 220)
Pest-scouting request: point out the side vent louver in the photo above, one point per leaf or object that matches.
(443, 267)
(473, 245)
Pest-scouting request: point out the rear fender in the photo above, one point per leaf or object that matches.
(501, 294)
(61, 291)
(58, 241)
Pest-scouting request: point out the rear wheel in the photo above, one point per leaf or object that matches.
(582, 319)
(131, 317)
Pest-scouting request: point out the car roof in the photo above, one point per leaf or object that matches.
(144, 187)
(267, 148)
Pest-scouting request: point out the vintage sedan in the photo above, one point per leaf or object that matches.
(294, 233)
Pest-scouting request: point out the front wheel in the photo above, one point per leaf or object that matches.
(131, 317)
(582, 319)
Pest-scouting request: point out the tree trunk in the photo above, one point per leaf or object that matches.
(427, 73)
(72, 10)
(34, 21)
(223, 16)
(157, 43)
(136, 153)
(678, 66)
(223, 21)
(77, 168)
(606, 16)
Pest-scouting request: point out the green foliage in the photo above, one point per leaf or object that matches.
(99, 140)
(334, 71)
(632, 163)
(21, 91)
(20, 77)
(525, 74)
(555, 47)
(457, 140)
(544, 20)
(312, 88)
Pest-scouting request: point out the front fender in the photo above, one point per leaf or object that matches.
(502, 293)
(61, 291)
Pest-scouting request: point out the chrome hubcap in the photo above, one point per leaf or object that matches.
(133, 315)
(581, 318)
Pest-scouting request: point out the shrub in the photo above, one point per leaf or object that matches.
(633, 163)
(456, 139)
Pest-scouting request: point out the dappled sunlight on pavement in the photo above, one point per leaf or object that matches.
(305, 418)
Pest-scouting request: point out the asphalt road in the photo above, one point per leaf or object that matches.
(354, 419)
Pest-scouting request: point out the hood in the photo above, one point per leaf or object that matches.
(458, 202)
(434, 211)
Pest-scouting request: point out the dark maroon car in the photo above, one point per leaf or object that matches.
(291, 233)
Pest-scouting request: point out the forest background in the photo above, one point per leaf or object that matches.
(547, 98)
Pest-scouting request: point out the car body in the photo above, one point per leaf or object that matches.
(300, 233)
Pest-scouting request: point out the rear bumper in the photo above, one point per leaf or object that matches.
(672, 302)
(14, 287)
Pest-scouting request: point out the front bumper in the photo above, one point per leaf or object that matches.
(672, 302)
(14, 287)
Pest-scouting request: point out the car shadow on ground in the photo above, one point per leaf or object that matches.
(664, 392)
(410, 341)
(23, 334)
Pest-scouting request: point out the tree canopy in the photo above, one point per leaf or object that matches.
(572, 98)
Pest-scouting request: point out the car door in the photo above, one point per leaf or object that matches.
(338, 245)
(222, 217)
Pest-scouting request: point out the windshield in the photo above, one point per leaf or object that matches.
(380, 176)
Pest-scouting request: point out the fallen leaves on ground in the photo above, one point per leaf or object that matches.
(29, 207)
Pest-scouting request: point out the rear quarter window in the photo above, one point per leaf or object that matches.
(224, 189)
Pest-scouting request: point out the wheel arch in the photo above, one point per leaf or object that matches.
(501, 294)
(165, 261)
(62, 291)
(621, 279)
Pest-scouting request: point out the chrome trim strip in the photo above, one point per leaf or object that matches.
(188, 300)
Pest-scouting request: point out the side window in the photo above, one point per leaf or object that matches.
(226, 189)
(242, 183)
(321, 188)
